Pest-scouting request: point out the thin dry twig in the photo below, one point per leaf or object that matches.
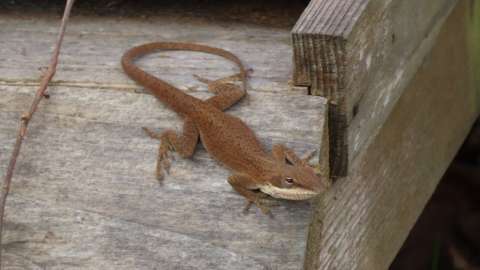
(26, 117)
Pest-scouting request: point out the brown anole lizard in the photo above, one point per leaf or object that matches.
(230, 141)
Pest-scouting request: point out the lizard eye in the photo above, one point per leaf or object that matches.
(289, 180)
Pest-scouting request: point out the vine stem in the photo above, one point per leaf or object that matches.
(27, 116)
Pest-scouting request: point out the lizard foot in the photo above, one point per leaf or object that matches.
(152, 134)
(263, 201)
(164, 158)
(202, 79)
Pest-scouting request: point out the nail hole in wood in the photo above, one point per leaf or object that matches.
(355, 110)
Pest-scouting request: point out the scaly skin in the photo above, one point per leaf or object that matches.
(229, 140)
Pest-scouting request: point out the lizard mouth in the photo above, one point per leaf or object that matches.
(294, 193)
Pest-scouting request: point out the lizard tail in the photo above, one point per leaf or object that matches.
(169, 94)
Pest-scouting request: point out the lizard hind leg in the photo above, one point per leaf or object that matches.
(184, 144)
(226, 93)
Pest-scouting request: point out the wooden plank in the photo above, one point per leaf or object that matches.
(368, 214)
(93, 45)
(86, 155)
(361, 54)
(84, 194)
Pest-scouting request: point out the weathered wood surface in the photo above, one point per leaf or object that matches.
(361, 54)
(84, 195)
(368, 214)
(92, 47)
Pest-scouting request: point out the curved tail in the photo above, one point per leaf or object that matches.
(167, 93)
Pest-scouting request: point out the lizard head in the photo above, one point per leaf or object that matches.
(292, 182)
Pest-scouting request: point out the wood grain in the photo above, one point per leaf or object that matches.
(86, 154)
(91, 52)
(84, 195)
(363, 221)
(361, 54)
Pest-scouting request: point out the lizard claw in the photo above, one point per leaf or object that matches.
(166, 164)
(152, 134)
(202, 79)
(163, 166)
(263, 202)
(164, 157)
(265, 210)
(163, 160)
(160, 175)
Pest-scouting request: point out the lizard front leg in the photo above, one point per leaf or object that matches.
(226, 93)
(184, 144)
(282, 153)
(244, 185)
